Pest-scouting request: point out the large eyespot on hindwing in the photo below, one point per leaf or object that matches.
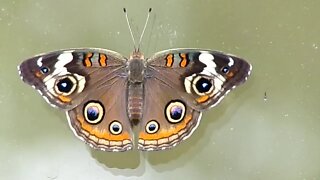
(93, 112)
(152, 127)
(65, 85)
(115, 127)
(175, 111)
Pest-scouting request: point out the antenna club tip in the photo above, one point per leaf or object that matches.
(150, 9)
(124, 10)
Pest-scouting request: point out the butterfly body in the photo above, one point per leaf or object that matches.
(105, 94)
(135, 94)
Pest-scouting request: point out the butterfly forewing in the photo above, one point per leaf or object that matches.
(65, 77)
(202, 77)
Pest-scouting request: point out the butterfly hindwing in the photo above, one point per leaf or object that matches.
(101, 119)
(167, 118)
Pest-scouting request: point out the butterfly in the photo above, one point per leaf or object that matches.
(105, 94)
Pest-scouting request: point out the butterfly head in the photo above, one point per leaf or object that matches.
(136, 55)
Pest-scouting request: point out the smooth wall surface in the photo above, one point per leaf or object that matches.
(269, 128)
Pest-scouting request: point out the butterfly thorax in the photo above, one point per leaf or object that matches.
(136, 68)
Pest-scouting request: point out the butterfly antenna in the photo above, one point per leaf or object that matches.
(134, 42)
(144, 28)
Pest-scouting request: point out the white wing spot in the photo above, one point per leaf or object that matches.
(205, 57)
(187, 83)
(64, 59)
(59, 70)
(40, 92)
(231, 62)
(39, 62)
(250, 70)
(81, 82)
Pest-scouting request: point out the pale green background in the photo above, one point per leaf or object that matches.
(243, 138)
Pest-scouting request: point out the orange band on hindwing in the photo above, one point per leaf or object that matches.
(166, 133)
(184, 60)
(103, 60)
(169, 60)
(102, 134)
(87, 60)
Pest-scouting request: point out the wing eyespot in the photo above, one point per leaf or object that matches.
(93, 112)
(65, 85)
(44, 70)
(175, 111)
(152, 127)
(225, 69)
(115, 127)
(202, 85)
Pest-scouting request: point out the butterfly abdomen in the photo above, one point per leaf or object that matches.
(135, 101)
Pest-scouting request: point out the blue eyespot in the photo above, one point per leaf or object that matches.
(175, 111)
(65, 85)
(93, 113)
(225, 69)
(152, 127)
(115, 127)
(44, 70)
(203, 85)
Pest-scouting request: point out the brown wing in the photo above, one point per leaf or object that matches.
(91, 85)
(64, 78)
(101, 119)
(180, 84)
(167, 118)
(202, 77)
